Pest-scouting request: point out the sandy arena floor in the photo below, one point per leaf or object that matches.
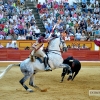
(87, 79)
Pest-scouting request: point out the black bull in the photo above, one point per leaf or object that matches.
(75, 66)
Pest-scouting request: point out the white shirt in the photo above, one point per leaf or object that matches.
(14, 45)
(9, 45)
(78, 35)
(1, 37)
(92, 1)
(37, 30)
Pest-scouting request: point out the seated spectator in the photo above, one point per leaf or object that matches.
(1, 37)
(78, 46)
(43, 6)
(1, 46)
(78, 35)
(14, 45)
(8, 37)
(29, 36)
(76, 26)
(55, 6)
(84, 46)
(49, 27)
(83, 37)
(37, 32)
(61, 6)
(63, 34)
(47, 34)
(21, 37)
(9, 44)
(74, 46)
(89, 29)
(96, 10)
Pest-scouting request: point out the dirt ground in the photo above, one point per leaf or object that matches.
(87, 79)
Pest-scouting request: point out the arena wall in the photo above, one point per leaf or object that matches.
(23, 43)
(19, 55)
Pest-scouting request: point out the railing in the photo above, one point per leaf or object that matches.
(19, 55)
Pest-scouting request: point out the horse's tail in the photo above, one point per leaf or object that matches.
(7, 69)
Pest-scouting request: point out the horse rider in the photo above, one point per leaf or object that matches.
(38, 50)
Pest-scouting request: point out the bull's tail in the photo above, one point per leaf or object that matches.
(7, 69)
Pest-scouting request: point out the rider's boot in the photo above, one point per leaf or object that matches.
(47, 68)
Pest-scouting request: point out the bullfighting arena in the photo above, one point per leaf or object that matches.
(87, 79)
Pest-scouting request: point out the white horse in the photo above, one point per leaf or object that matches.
(29, 69)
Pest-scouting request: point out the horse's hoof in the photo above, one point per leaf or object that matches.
(29, 90)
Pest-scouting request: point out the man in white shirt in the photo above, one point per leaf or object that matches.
(9, 45)
(14, 45)
(37, 32)
(1, 37)
(92, 1)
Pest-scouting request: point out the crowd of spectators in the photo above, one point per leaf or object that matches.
(80, 22)
(73, 22)
(17, 23)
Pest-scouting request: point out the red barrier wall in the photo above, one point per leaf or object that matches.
(18, 55)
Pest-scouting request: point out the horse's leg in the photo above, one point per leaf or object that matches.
(22, 83)
(31, 83)
(63, 74)
(67, 68)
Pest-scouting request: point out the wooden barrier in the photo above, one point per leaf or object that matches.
(24, 43)
(19, 55)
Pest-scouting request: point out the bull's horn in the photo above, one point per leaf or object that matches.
(71, 60)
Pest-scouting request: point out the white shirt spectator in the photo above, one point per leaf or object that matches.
(96, 10)
(92, 1)
(37, 30)
(15, 17)
(9, 45)
(14, 45)
(66, 12)
(49, 20)
(21, 37)
(78, 36)
(1, 37)
(9, 37)
(89, 29)
(11, 20)
(1, 7)
(97, 3)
